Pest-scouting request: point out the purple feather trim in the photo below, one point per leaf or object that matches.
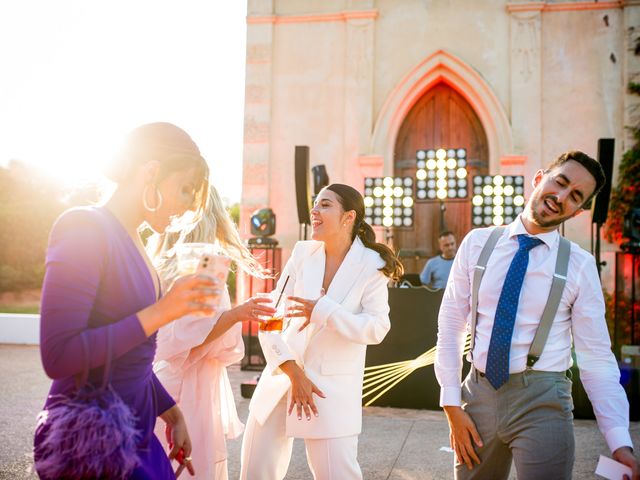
(89, 435)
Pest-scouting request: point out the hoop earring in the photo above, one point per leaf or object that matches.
(158, 201)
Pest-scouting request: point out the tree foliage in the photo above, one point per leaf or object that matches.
(626, 194)
(29, 203)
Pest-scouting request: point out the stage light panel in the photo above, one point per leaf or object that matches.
(436, 165)
(388, 201)
(497, 200)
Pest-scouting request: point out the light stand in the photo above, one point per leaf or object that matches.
(443, 224)
(302, 231)
(441, 174)
(388, 236)
(598, 250)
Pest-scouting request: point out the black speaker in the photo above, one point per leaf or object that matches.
(320, 178)
(631, 225)
(303, 198)
(630, 380)
(631, 230)
(601, 203)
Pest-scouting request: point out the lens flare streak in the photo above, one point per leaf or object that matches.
(382, 378)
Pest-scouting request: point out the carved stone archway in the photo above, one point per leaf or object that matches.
(442, 66)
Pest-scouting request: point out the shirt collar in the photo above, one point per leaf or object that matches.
(550, 239)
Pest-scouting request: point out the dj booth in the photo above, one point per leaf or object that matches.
(414, 330)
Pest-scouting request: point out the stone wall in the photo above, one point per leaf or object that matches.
(544, 77)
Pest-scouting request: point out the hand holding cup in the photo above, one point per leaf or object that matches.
(189, 295)
(256, 309)
(277, 321)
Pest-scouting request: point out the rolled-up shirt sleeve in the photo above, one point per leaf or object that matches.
(599, 371)
(452, 327)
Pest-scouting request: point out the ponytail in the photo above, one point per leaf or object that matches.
(392, 266)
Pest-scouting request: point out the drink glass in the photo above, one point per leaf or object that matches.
(277, 322)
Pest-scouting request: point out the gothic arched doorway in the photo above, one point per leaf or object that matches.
(441, 118)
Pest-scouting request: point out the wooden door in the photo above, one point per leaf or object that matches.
(442, 118)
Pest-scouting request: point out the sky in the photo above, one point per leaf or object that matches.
(77, 75)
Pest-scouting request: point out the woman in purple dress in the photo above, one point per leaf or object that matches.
(99, 283)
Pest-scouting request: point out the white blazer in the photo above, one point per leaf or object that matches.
(353, 313)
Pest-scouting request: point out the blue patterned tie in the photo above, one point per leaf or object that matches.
(498, 356)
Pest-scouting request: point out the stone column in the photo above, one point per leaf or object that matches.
(358, 87)
(526, 85)
(257, 116)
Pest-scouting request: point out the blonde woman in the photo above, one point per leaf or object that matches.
(193, 353)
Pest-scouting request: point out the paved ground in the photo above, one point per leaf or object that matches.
(396, 444)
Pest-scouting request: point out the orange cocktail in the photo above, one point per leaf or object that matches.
(274, 324)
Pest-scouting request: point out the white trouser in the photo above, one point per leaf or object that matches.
(266, 452)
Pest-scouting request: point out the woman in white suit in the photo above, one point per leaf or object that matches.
(312, 385)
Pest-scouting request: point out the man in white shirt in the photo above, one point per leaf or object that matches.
(504, 410)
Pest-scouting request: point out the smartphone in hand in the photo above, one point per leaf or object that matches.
(214, 266)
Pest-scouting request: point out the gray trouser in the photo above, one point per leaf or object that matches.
(528, 420)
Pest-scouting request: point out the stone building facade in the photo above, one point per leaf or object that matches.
(364, 83)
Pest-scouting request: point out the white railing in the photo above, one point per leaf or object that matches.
(20, 328)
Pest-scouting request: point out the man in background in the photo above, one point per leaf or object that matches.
(436, 271)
